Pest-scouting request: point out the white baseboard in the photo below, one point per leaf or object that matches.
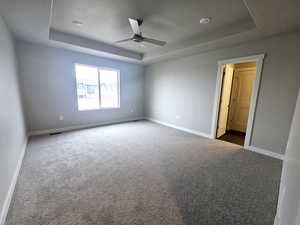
(265, 152)
(250, 148)
(90, 125)
(12, 186)
(180, 128)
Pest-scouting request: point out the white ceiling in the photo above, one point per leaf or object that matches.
(174, 21)
(170, 20)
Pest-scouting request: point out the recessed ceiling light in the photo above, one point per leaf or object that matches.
(77, 23)
(142, 45)
(205, 20)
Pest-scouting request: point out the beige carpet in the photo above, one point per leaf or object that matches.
(145, 174)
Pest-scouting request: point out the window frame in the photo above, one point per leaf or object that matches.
(99, 68)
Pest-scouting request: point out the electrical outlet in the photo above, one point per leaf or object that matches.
(61, 118)
(177, 117)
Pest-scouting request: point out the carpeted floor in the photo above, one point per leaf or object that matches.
(142, 173)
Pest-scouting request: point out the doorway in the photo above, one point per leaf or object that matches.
(237, 90)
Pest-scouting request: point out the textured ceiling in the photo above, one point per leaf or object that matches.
(175, 21)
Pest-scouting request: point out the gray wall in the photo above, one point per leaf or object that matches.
(289, 198)
(186, 87)
(48, 85)
(12, 127)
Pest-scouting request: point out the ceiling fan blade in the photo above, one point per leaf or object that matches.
(135, 26)
(154, 41)
(124, 40)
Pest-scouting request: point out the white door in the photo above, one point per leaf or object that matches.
(241, 97)
(225, 100)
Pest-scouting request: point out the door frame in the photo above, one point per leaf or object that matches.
(253, 103)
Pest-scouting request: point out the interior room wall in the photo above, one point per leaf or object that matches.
(49, 88)
(182, 91)
(289, 198)
(12, 127)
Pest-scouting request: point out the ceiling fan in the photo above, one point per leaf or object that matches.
(137, 34)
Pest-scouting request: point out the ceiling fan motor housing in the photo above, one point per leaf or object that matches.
(137, 34)
(140, 21)
(137, 38)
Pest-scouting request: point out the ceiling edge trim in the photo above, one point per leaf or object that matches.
(50, 16)
(59, 36)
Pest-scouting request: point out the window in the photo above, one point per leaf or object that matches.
(87, 87)
(109, 88)
(96, 87)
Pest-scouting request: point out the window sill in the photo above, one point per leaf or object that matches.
(110, 108)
